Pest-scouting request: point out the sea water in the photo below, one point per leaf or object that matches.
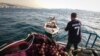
(16, 24)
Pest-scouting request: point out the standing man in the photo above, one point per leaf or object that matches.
(74, 32)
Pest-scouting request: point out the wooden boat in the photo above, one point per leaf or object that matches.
(51, 27)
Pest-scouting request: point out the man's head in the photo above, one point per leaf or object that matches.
(73, 16)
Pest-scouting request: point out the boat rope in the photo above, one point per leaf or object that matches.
(30, 43)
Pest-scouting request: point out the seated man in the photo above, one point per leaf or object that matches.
(52, 23)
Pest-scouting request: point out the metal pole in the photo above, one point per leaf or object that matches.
(88, 40)
(94, 41)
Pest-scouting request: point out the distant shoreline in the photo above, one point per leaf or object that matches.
(12, 6)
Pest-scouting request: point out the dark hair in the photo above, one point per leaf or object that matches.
(73, 15)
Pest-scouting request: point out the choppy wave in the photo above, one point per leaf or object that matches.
(16, 24)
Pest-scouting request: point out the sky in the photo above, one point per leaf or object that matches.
(90, 5)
